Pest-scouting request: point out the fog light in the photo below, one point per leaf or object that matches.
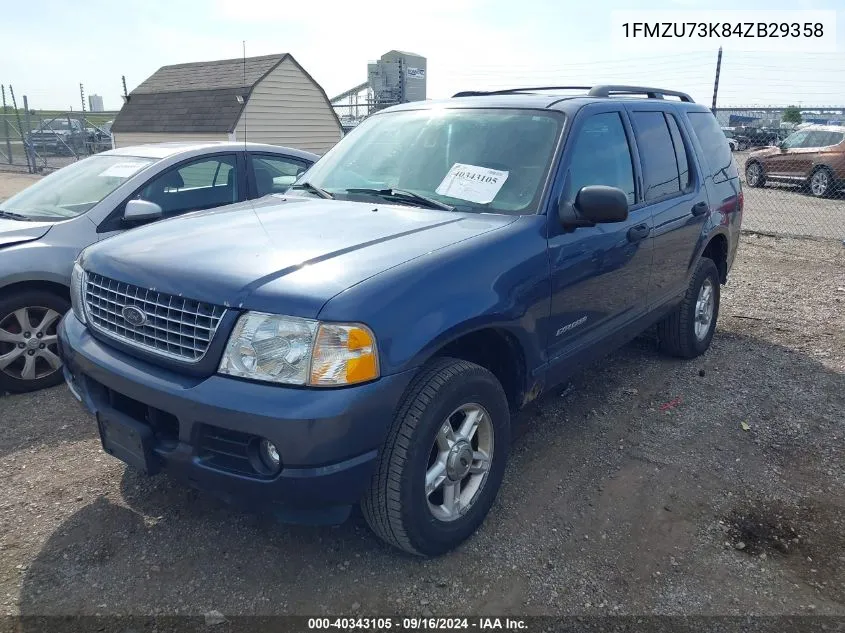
(269, 455)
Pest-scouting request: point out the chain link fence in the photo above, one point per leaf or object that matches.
(792, 164)
(791, 160)
(40, 141)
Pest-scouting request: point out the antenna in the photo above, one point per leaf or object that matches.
(244, 97)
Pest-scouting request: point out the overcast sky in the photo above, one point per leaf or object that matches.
(53, 45)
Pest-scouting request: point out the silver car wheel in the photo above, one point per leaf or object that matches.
(820, 182)
(459, 462)
(704, 309)
(28, 343)
(753, 174)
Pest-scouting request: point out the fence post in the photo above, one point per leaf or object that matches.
(6, 127)
(30, 158)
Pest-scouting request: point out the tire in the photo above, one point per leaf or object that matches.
(40, 308)
(821, 183)
(396, 506)
(755, 175)
(678, 333)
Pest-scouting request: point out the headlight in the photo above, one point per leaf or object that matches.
(296, 351)
(77, 291)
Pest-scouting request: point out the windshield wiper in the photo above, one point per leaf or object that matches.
(15, 216)
(405, 195)
(314, 189)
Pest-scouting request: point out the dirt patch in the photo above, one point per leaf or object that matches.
(809, 539)
(11, 183)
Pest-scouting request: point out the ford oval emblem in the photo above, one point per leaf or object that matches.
(134, 316)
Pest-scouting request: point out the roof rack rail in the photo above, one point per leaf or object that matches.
(507, 91)
(594, 91)
(651, 93)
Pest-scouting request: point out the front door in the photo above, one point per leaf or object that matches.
(795, 156)
(599, 274)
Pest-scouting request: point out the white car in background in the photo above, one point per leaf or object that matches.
(44, 227)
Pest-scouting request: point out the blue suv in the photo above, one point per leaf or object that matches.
(367, 336)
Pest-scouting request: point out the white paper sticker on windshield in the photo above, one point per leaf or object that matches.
(122, 170)
(469, 182)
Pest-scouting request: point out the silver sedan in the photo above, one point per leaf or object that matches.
(44, 227)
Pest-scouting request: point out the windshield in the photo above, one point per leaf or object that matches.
(73, 190)
(470, 159)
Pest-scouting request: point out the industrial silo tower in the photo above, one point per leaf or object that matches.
(397, 77)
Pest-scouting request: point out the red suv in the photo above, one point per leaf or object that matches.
(813, 156)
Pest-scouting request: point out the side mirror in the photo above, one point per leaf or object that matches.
(141, 211)
(594, 204)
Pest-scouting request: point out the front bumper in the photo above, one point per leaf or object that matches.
(328, 439)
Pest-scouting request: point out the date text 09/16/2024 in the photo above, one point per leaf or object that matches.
(416, 624)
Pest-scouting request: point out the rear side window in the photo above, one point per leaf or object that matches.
(657, 152)
(718, 160)
(680, 152)
(835, 138)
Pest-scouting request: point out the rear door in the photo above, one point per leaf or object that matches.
(673, 191)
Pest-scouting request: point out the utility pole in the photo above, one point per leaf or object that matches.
(6, 127)
(125, 94)
(30, 151)
(716, 84)
(82, 97)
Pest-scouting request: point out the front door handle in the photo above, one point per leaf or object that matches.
(636, 233)
(700, 208)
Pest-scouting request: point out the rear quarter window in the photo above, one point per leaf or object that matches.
(717, 162)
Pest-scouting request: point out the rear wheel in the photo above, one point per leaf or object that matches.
(687, 331)
(443, 461)
(755, 175)
(821, 183)
(29, 358)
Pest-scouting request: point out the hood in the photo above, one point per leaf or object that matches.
(17, 231)
(284, 255)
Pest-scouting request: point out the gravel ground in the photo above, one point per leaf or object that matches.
(652, 486)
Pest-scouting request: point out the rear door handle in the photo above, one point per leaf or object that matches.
(700, 208)
(636, 233)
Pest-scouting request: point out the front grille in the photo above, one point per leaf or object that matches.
(173, 326)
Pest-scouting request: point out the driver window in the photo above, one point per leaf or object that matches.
(199, 184)
(601, 156)
(795, 140)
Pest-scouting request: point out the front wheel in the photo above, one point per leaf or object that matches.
(443, 461)
(29, 357)
(754, 175)
(687, 331)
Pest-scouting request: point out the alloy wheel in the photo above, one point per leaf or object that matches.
(820, 182)
(704, 309)
(29, 344)
(459, 462)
